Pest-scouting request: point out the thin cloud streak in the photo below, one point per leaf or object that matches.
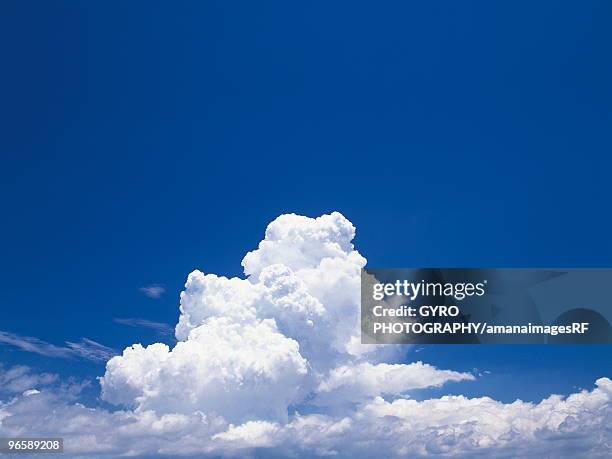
(154, 291)
(159, 327)
(85, 348)
(89, 349)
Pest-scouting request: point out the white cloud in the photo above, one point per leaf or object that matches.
(303, 243)
(355, 383)
(239, 371)
(154, 291)
(254, 352)
(252, 434)
(250, 348)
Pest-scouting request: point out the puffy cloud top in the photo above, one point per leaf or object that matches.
(300, 242)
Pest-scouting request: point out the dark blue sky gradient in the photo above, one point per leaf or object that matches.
(140, 140)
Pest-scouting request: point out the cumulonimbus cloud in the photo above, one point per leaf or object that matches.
(254, 353)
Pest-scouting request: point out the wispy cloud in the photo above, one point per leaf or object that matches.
(21, 378)
(85, 348)
(159, 327)
(91, 350)
(154, 291)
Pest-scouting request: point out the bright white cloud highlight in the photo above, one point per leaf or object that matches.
(239, 371)
(356, 383)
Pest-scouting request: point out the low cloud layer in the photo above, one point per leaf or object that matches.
(451, 426)
(272, 365)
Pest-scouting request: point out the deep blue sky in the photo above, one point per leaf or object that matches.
(140, 140)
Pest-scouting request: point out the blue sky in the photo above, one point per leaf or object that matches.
(143, 140)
